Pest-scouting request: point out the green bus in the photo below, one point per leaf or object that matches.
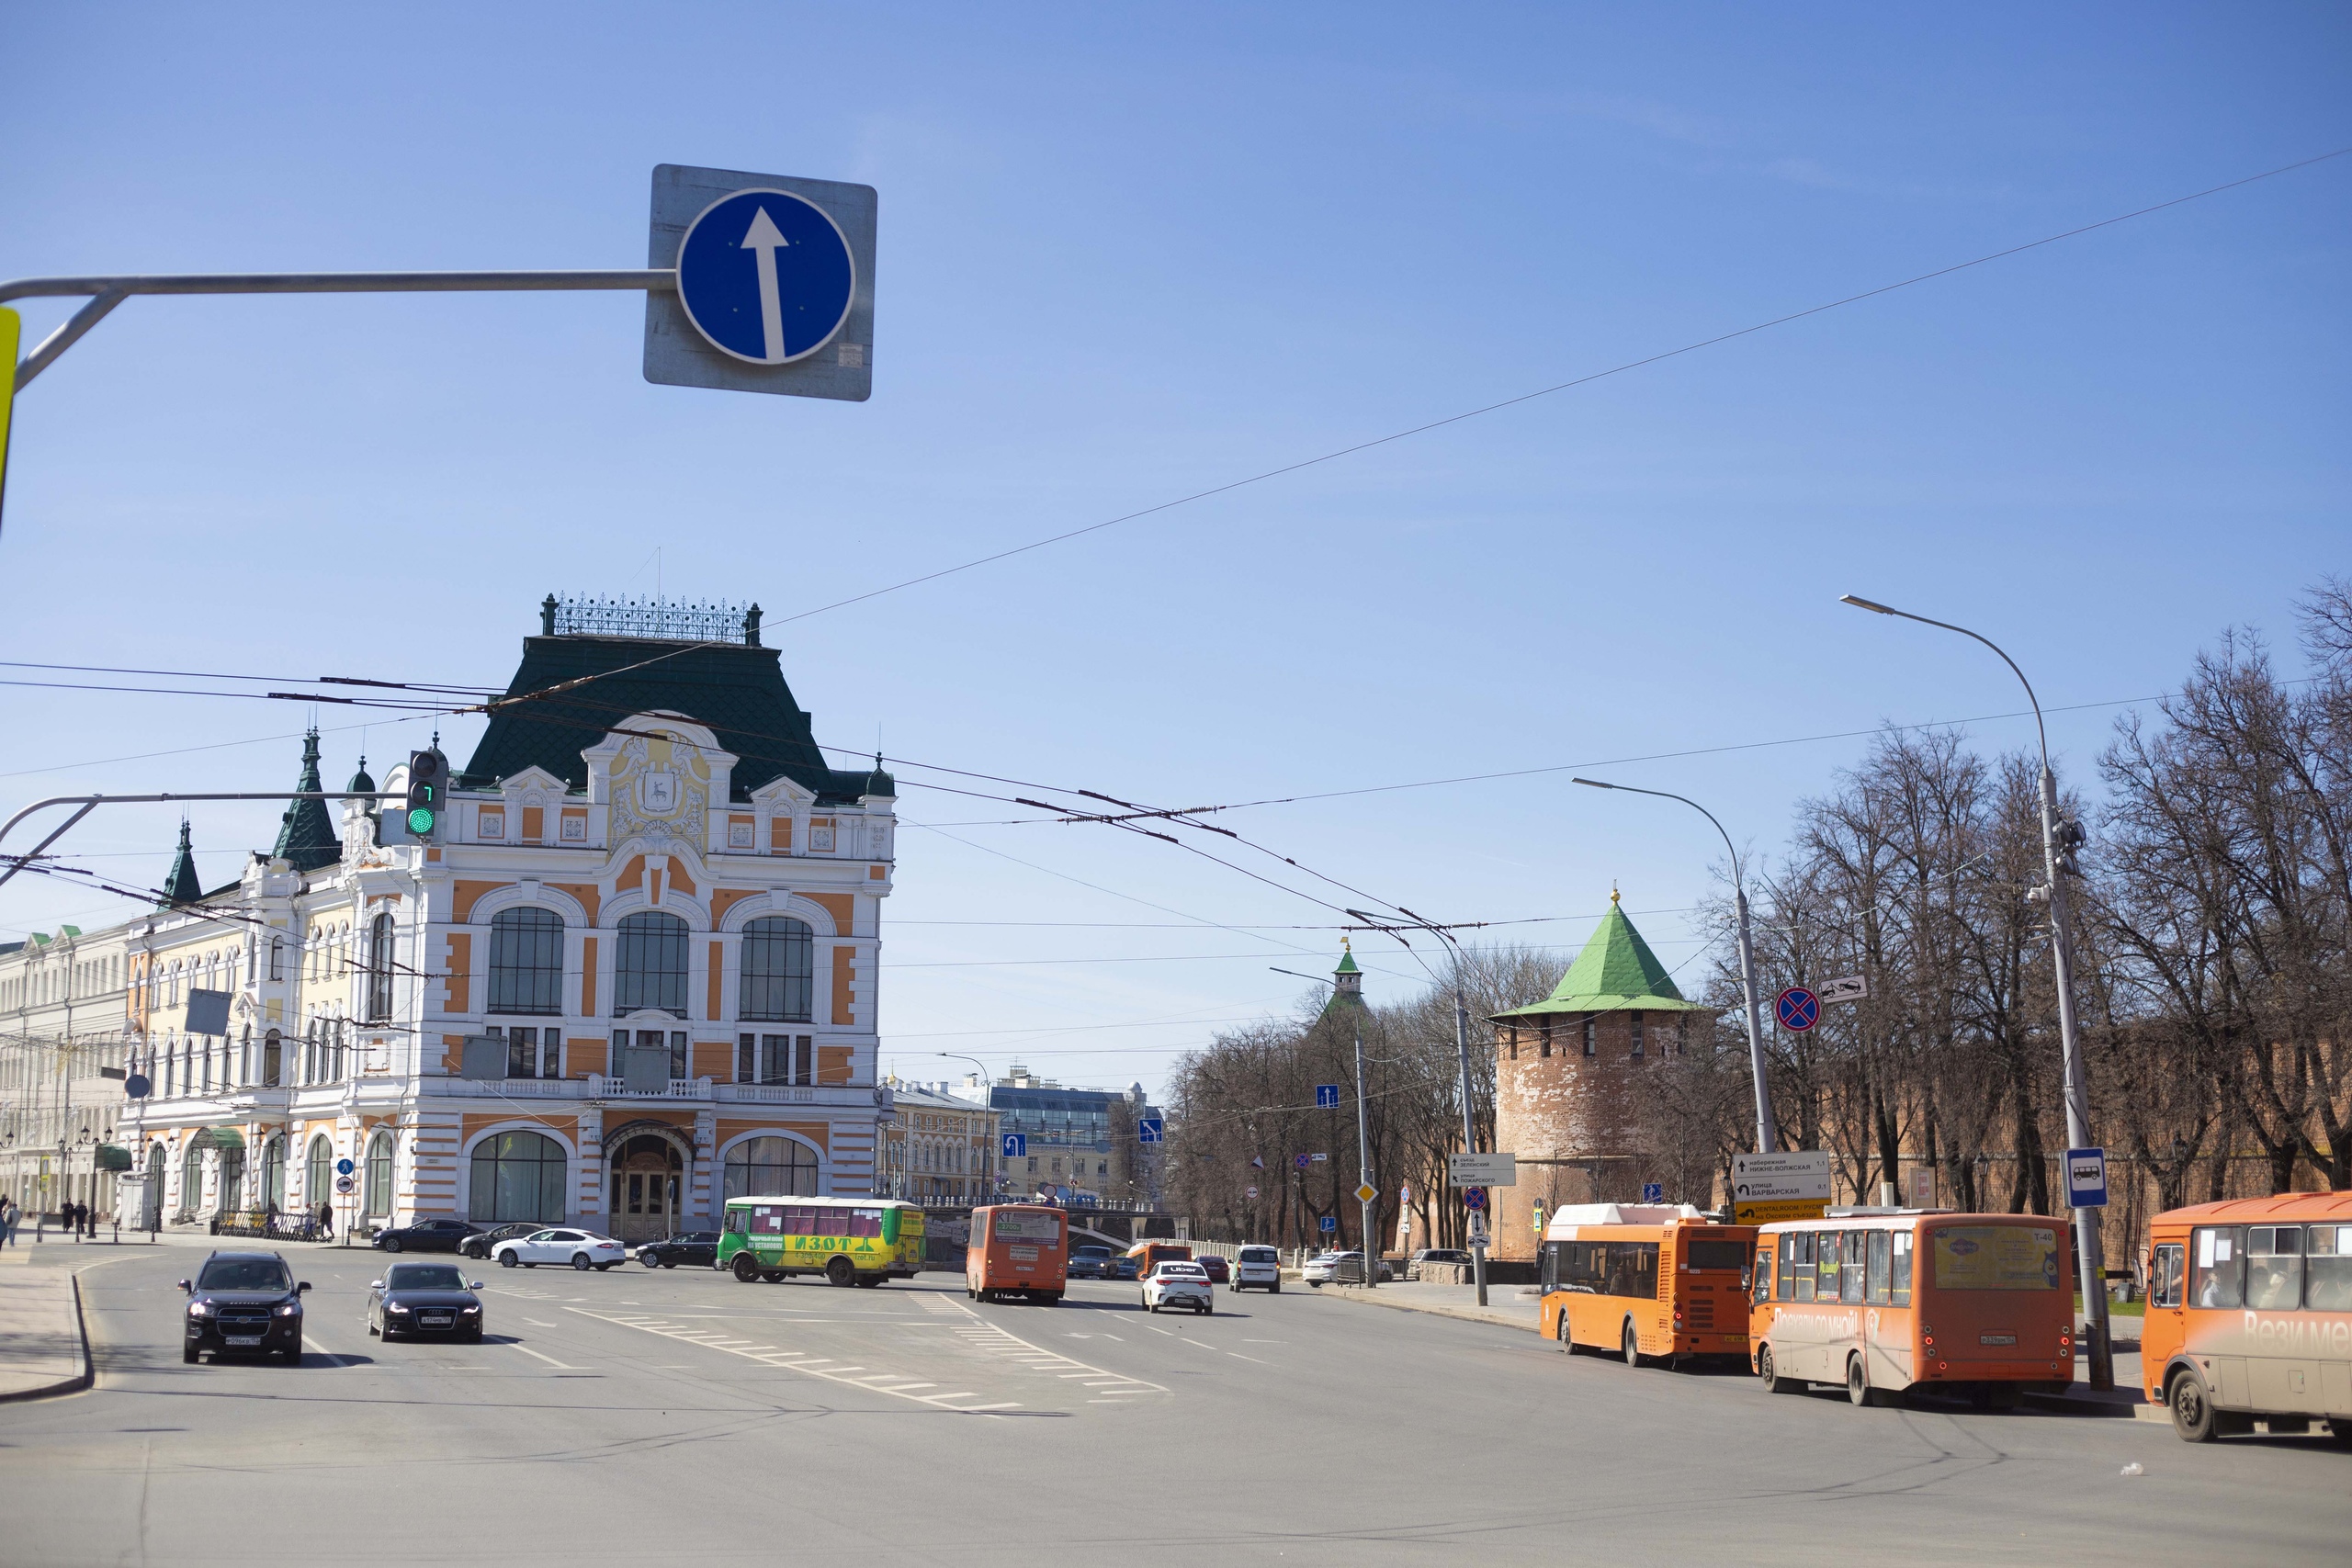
(850, 1241)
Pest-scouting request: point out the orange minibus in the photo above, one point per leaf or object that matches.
(1646, 1281)
(1018, 1249)
(1884, 1299)
(1150, 1254)
(2250, 1315)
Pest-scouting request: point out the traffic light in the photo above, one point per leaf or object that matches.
(428, 775)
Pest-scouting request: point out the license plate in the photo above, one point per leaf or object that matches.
(243, 1338)
(441, 1322)
(1997, 1339)
(1734, 1338)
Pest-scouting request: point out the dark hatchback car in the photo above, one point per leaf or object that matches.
(1215, 1266)
(420, 1300)
(427, 1235)
(1091, 1262)
(695, 1248)
(479, 1243)
(243, 1303)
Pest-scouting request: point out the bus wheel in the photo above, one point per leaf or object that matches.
(2192, 1409)
(1858, 1392)
(1770, 1371)
(1633, 1345)
(774, 1276)
(1567, 1344)
(2340, 1429)
(840, 1271)
(747, 1267)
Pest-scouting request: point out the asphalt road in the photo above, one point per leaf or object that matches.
(683, 1416)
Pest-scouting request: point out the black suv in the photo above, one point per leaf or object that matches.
(690, 1248)
(245, 1300)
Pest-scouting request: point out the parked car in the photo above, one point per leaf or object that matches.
(1258, 1268)
(1434, 1255)
(1326, 1268)
(424, 1299)
(1219, 1272)
(1091, 1262)
(479, 1244)
(244, 1301)
(426, 1236)
(582, 1249)
(698, 1247)
(1184, 1284)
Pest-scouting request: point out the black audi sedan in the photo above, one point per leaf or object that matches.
(243, 1301)
(479, 1243)
(426, 1236)
(421, 1299)
(692, 1247)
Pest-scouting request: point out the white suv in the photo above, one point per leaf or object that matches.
(1178, 1285)
(1258, 1266)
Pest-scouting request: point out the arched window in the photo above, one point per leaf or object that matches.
(379, 968)
(777, 968)
(318, 1174)
(379, 1176)
(652, 972)
(271, 1194)
(191, 1177)
(770, 1168)
(518, 1176)
(273, 1059)
(527, 962)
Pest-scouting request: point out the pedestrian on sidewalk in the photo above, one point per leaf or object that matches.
(326, 1221)
(7, 1222)
(74, 1220)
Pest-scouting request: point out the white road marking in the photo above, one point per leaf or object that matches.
(1239, 1356)
(550, 1361)
(536, 1324)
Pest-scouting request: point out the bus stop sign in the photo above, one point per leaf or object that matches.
(2086, 1179)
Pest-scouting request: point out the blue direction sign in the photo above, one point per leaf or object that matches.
(1016, 1144)
(1653, 1193)
(1474, 1198)
(2086, 1179)
(765, 275)
(1151, 1130)
(343, 1167)
(1797, 1008)
(1327, 1096)
(1329, 1223)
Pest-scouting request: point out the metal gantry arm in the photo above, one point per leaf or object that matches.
(89, 803)
(2091, 1250)
(1768, 1136)
(105, 292)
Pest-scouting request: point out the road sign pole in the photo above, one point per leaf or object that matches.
(1469, 1138)
(1767, 1136)
(1363, 1170)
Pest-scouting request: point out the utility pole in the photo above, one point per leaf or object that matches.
(1470, 1140)
(2057, 864)
(1363, 1166)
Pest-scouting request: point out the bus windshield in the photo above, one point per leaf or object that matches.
(1997, 1258)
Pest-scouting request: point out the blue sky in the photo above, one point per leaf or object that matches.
(1127, 254)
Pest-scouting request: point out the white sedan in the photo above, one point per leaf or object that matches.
(1176, 1284)
(1342, 1268)
(582, 1249)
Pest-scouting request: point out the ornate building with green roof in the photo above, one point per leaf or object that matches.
(1565, 1071)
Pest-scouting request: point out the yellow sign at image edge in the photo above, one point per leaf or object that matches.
(1366, 1193)
(12, 327)
(1780, 1209)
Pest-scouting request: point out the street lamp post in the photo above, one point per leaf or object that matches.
(1767, 1134)
(2090, 1253)
(1369, 1206)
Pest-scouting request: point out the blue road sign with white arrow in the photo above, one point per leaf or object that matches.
(1016, 1144)
(1327, 1223)
(1327, 1096)
(1653, 1193)
(765, 275)
(1151, 1130)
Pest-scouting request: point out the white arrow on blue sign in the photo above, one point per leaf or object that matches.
(1016, 1144)
(1329, 1223)
(1151, 1130)
(1653, 1193)
(2086, 1179)
(765, 275)
(1327, 1096)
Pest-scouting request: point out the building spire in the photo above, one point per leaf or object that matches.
(181, 886)
(306, 835)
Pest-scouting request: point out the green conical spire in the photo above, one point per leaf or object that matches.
(306, 835)
(1615, 970)
(181, 886)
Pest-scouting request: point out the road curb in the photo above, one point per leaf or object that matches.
(1464, 1315)
(82, 1377)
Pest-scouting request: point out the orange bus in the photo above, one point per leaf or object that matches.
(1886, 1300)
(1150, 1254)
(2250, 1315)
(1646, 1281)
(1018, 1249)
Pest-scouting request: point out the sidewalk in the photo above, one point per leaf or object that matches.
(1508, 1306)
(41, 1347)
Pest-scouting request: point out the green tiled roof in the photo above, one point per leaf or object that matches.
(306, 835)
(736, 690)
(181, 886)
(1616, 971)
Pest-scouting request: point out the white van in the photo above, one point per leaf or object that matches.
(1258, 1266)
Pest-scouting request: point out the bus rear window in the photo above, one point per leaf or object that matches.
(1717, 1254)
(1996, 1258)
(1016, 1224)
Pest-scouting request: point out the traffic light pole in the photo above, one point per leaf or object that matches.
(89, 803)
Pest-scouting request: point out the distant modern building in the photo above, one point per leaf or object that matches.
(1082, 1143)
(1565, 1071)
(937, 1149)
(631, 971)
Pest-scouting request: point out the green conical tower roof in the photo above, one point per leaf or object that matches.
(181, 886)
(1616, 970)
(306, 835)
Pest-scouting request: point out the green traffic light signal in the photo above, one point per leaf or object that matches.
(419, 822)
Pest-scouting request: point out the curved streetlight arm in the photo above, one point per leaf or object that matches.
(1737, 879)
(1877, 609)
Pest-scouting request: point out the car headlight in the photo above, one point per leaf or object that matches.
(394, 1306)
(470, 1311)
(200, 1309)
(290, 1309)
